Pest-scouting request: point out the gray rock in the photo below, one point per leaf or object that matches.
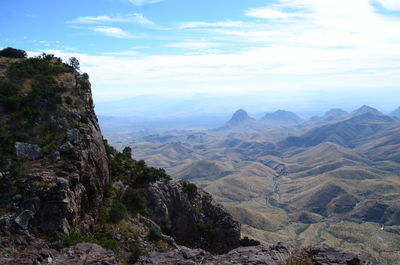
(22, 220)
(261, 255)
(85, 253)
(76, 116)
(191, 218)
(38, 252)
(17, 197)
(74, 136)
(29, 151)
(55, 156)
(66, 147)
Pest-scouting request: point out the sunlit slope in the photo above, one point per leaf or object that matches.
(336, 182)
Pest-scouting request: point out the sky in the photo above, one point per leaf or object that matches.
(214, 56)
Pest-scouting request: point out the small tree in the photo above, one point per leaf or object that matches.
(74, 63)
(127, 152)
(12, 53)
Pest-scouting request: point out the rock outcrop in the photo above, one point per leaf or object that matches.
(80, 254)
(191, 216)
(261, 255)
(55, 178)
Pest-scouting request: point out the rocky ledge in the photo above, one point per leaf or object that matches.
(39, 252)
(261, 255)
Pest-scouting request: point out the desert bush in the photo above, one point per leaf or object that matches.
(74, 63)
(154, 235)
(135, 200)
(12, 53)
(297, 259)
(9, 97)
(44, 65)
(131, 172)
(72, 238)
(117, 212)
(189, 188)
(136, 251)
(206, 229)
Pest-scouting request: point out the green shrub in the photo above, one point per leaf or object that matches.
(44, 65)
(189, 188)
(207, 197)
(12, 53)
(136, 251)
(106, 243)
(297, 259)
(154, 235)
(74, 63)
(117, 212)
(72, 238)
(127, 152)
(131, 172)
(207, 229)
(135, 200)
(9, 96)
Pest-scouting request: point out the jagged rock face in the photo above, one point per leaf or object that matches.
(261, 255)
(191, 217)
(63, 154)
(77, 187)
(82, 253)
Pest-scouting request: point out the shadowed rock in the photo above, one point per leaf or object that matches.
(261, 255)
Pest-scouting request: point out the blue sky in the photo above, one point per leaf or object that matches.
(302, 55)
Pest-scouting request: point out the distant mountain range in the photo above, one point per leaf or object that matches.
(287, 118)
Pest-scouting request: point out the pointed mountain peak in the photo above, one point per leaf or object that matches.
(239, 116)
(365, 109)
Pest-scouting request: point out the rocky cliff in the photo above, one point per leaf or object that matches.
(191, 217)
(55, 166)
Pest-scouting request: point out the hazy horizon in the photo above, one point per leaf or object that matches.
(159, 106)
(211, 58)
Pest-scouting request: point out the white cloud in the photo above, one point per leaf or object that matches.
(333, 44)
(113, 32)
(390, 4)
(270, 13)
(194, 45)
(122, 53)
(133, 18)
(223, 24)
(144, 2)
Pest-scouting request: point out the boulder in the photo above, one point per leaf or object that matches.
(74, 136)
(29, 151)
(85, 254)
(22, 220)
